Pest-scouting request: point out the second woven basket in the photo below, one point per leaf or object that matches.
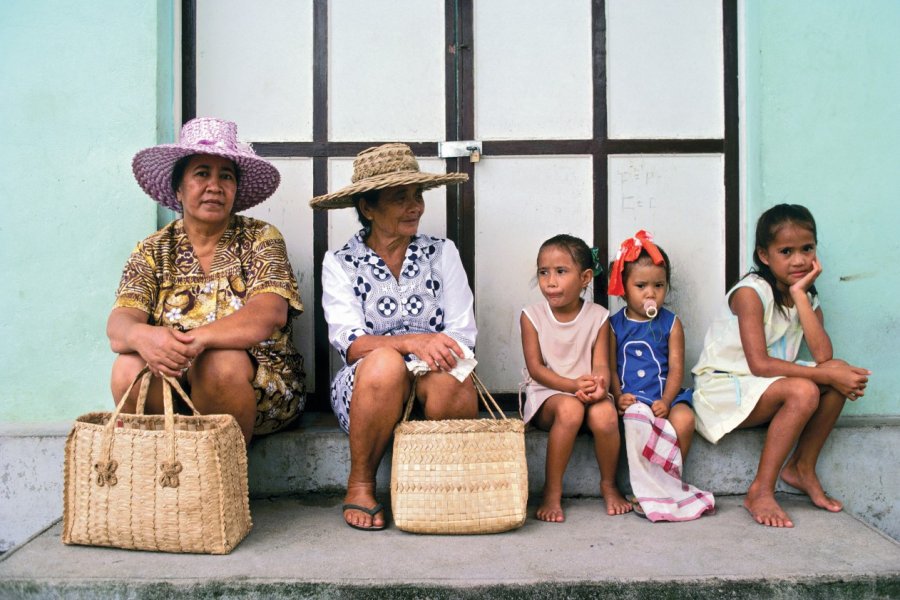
(459, 476)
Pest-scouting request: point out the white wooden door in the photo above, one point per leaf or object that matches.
(597, 118)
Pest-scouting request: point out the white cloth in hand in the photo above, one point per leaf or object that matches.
(464, 365)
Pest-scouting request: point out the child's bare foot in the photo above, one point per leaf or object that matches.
(765, 510)
(808, 482)
(616, 504)
(551, 510)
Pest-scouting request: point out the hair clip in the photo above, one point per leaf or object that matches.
(595, 256)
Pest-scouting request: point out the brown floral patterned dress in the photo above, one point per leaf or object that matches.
(164, 279)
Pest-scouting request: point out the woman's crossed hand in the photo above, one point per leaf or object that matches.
(166, 350)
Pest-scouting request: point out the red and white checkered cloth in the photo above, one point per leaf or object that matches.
(654, 463)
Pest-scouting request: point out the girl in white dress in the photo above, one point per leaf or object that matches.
(749, 375)
(566, 344)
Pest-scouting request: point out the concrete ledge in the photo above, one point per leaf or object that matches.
(857, 466)
(31, 476)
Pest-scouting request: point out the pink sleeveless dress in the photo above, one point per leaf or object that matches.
(565, 347)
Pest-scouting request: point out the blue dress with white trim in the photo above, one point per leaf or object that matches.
(642, 356)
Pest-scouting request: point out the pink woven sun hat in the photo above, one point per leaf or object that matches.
(257, 178)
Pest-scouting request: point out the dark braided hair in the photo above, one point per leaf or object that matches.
(767, 228)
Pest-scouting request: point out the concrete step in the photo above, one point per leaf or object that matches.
(857, 466)
(299, 547)
(314, 458)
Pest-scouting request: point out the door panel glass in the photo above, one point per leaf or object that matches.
(533, 69)
(664, 69)
(386, 70)
(288, 210)
(521, 201)
(681, 201)
(241, 77)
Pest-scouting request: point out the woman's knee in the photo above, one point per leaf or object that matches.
(461, 396)
(382, 368)
(125, 368)
(217, 371)
(445, 397)
(380, 386)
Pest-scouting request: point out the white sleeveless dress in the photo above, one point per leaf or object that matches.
(725, 391)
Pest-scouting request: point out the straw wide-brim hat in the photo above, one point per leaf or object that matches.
(380, 167)
(257, 178)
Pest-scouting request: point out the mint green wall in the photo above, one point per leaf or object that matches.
(823, 129)
(83, 86)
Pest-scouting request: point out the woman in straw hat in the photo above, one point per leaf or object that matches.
(209, 298)
(393, 298)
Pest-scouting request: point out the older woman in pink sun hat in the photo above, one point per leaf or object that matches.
(209, 298)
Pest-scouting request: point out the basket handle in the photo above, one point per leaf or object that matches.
(409, 401)
(106, 467)
(144, 389)
(483, 394)
(170, 468)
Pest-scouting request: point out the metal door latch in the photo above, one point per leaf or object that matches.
(455, 149)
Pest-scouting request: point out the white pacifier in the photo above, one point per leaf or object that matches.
(650, 309)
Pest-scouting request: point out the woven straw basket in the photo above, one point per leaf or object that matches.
(459, 476)
(170, 483)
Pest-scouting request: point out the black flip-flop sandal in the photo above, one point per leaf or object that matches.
(636, 507)
(369, 511)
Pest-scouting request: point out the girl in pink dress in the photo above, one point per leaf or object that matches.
(565, 339)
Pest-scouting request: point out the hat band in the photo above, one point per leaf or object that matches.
(382, 174)
(216, 143)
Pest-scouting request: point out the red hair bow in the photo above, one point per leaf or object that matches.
(629, 251)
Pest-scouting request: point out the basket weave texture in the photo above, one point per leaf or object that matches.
(168, 483)
(459, 476)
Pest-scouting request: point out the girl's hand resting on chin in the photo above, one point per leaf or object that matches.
(803, 285)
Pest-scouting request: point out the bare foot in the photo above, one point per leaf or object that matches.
(808, 482)
(616, 504)
(362, 495)
(765, 510)
(550, 510)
